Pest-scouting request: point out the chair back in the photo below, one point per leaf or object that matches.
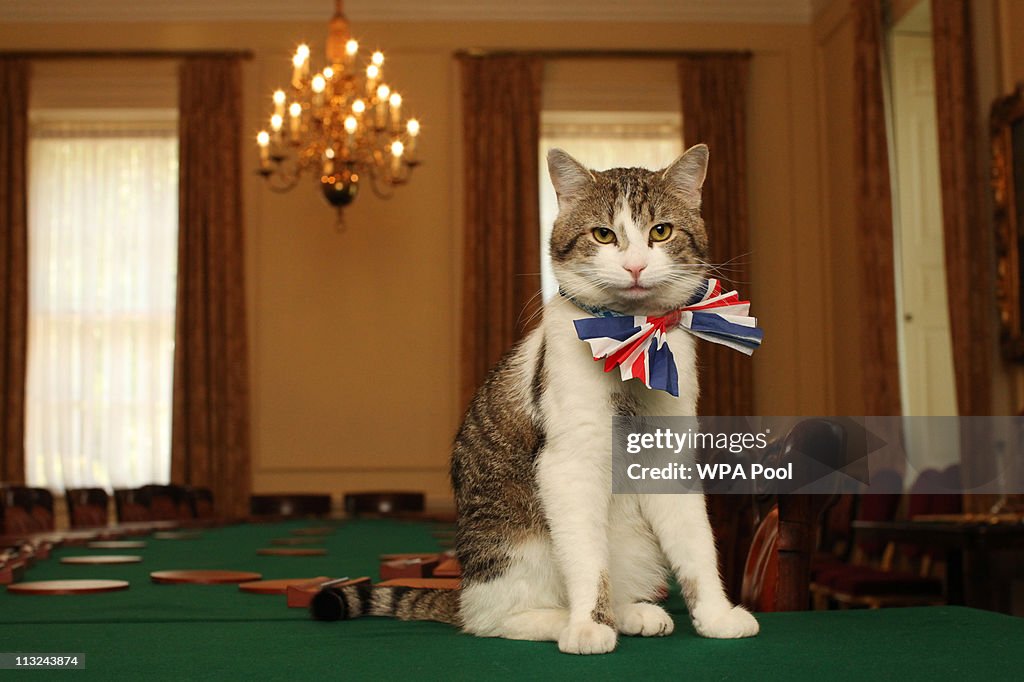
(200, 501)
(16, 502)
(290, 504)
(87, 507)
(761, 573)
(41, 501)
(384, 503)
(798, 520)
(132, 505)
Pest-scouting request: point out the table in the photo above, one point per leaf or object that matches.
(216, 632)
(969, 547)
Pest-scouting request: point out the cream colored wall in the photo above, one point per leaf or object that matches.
(341, 399)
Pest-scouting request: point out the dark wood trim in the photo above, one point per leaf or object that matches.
(48, 55)
(473, 53)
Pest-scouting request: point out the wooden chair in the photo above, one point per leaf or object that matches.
(290, 504)
(87, 507)
(774, 538)
(871, 578)
(16, 502)
(761, 572)
(384, 503)
(41, 508)
(200, 501)
(167, 502)
(132, 505)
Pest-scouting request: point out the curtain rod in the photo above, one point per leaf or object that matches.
(44, 55)
(599, 54)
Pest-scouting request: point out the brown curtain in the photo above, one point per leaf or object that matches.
(714, 105)
(967, 239)
(210, 432)
(501, 99)
(14, 82)
(879, 356)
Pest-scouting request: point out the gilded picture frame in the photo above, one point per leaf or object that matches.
(1007, 135)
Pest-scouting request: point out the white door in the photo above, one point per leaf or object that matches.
(926, 363)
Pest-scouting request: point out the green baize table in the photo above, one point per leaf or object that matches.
(216, 632)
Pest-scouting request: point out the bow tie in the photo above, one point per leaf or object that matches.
(636, 344)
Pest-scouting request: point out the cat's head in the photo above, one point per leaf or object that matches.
(629, 239)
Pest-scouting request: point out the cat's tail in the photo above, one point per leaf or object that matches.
(404, 603)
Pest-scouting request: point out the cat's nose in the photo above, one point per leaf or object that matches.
(635, 270)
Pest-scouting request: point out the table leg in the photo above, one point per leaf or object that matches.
(978, 583)
(955, 587)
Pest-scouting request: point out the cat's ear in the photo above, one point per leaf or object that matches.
(686, 174)
(568, 176)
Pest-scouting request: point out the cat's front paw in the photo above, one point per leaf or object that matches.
(587, 637)
(730, 622)
(646, 620)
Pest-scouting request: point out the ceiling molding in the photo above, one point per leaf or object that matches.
(639, 11)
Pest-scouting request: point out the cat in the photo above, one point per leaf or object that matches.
(547, 552)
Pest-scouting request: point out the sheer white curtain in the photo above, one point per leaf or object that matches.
(601, 140)
(103, 222)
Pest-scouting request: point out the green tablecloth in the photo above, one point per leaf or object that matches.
(216, 632)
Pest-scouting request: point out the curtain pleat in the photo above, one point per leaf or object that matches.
(714, 104)
(967, 243)
(879, 354)
(14, 94)
(967, 240)
(210, 444)
(501, 101)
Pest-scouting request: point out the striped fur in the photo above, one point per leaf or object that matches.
(403, 603)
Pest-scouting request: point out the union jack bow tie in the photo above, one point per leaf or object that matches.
(637, 345)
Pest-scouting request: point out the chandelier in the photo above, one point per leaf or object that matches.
(342, 125)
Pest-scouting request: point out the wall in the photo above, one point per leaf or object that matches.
(354, 335)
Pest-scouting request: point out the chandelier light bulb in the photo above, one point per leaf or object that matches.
(412, 126)
(319, 83)
(383, 91)
(351, 124)
(395, 100)
(372, 72)
(329, 153)
(328, 73)
(358, 107)
(302, 51)
(275, 122)
(278, 96)
(298, 60)
(295, 110)
(397, 148)
(263, 138)
(351, 47)
(377, 59)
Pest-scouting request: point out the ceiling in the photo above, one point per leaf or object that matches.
(747, 11)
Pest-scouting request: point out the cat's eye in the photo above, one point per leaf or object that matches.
(661, 232)
(602, 235)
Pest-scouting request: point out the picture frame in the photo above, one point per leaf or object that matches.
(1006, 127)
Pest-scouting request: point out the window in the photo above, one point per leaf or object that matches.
(103, 222)
(601, 140)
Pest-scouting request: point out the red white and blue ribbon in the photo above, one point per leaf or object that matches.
(637, 345)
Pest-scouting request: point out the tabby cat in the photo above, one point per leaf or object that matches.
(547, 552)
